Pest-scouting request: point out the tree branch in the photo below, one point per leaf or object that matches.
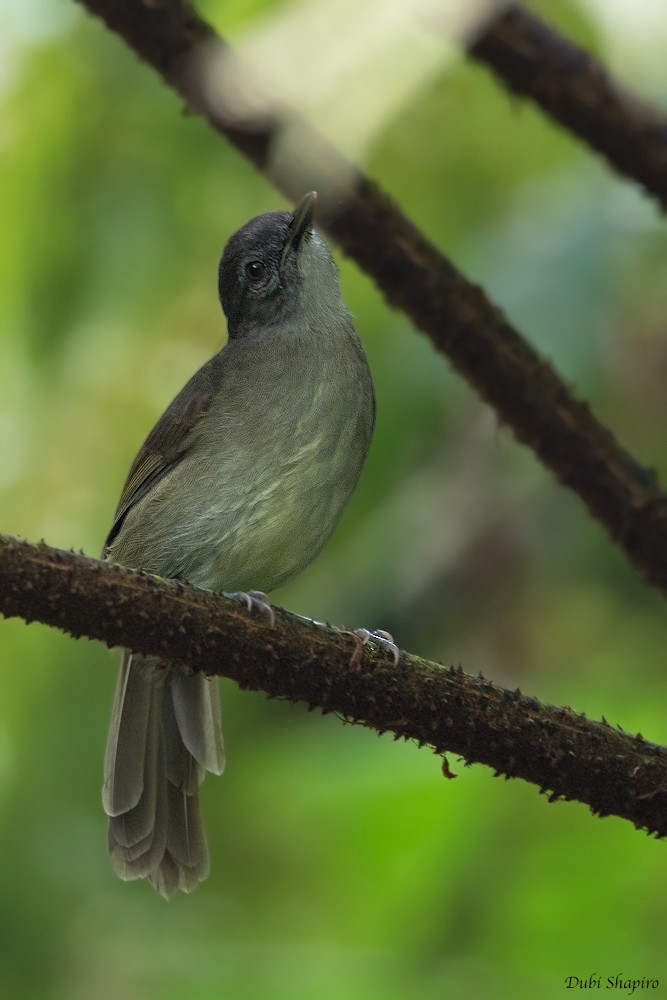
(525, 391)
(537, 62)
(554, 748)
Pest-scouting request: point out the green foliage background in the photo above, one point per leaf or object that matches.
(343, 864)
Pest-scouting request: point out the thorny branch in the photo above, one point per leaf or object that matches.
(536, 61)
(563, 753)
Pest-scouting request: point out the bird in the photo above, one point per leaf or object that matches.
(235, 490)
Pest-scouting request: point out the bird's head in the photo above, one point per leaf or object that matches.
(276, 272)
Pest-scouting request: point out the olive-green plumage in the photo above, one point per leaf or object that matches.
(236, 488)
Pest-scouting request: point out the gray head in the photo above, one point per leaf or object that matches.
(276, 271)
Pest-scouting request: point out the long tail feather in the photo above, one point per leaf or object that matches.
(197, 708)
(165, 733)
(126, 743)
(183, 770)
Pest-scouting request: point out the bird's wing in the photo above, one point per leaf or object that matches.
(167, 443)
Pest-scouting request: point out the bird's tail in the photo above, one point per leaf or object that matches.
(165, 733)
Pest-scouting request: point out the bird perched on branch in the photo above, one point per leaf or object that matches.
(236, 489)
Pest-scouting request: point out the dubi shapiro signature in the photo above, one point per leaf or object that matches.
(618, 982)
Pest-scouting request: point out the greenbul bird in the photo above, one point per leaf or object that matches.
(237, 488)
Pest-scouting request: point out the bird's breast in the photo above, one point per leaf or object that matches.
(276, 471)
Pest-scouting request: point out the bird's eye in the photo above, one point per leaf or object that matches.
(255, 270)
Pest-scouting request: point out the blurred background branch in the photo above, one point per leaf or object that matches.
(526, 392)
(555, 748)
(569, 84)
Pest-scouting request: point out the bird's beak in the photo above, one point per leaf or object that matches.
(302, 222)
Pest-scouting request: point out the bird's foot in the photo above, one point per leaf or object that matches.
(361, 637)
(381, 638)
(254, 599)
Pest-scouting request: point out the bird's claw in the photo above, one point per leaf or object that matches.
(381, 638)
(254, 599)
